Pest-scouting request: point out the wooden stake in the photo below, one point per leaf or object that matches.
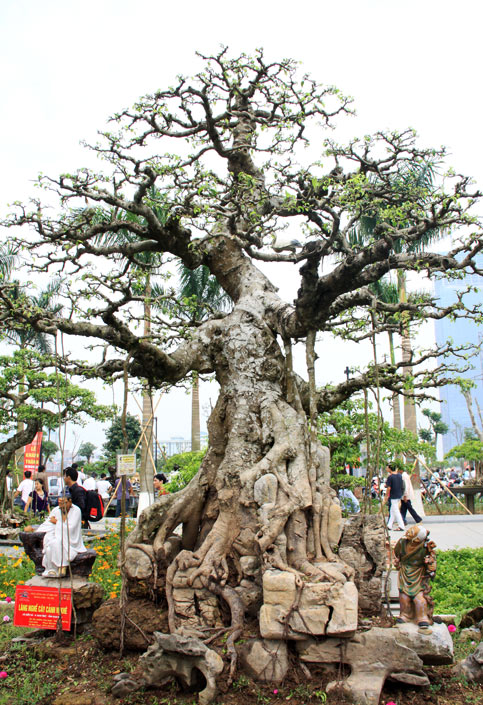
(442, 484)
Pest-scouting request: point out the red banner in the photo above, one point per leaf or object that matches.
(39, 607)
(31, 456)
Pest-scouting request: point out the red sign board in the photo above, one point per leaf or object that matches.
(31, 456)
(39, 607)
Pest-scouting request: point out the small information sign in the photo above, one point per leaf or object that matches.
(126, 464)
(39, 607)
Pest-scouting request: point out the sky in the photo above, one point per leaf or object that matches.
(67, 66)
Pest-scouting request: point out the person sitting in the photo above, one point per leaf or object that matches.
(63, 538)
(38, 500)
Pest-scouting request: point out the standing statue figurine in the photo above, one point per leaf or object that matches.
(416, 562)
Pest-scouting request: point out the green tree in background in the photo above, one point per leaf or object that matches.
(7, 261)
(343, 430)
(49, 449)
(201, 297)
(23, 335)
(470, 450)
(86, 450)
(42, 400)
(114, 435)
(437, 427)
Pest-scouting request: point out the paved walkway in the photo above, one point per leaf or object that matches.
(453, 531)
(448, 532)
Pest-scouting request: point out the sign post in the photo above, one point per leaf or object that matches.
(39, 607)
(126, 464)
(31, 457)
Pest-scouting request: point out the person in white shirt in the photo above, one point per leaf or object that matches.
(25, 488)
(81, 476)
(408, 496)
(63, 538)
(104, 487)
(90, 483)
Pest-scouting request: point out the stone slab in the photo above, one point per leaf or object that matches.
(435, 649)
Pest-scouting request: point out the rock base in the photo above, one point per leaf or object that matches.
(435, 649)
(372, 656)
(362, 547)
(316, 609)
(265, 660)
(185, 658)
(472, 667)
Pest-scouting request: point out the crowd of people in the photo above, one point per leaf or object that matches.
(397, 492)
(34, 495)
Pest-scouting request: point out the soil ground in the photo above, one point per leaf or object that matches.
(78, 672)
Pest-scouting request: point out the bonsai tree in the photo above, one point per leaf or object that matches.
(241, 197)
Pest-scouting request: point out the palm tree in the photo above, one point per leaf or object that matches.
(387, 292)
(45, 300)
(413, 183)
(7, 261)
(148, 264)
(201, 294)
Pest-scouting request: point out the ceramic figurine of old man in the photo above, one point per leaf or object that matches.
(416, 562)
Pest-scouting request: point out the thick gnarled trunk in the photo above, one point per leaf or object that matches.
(260, 505)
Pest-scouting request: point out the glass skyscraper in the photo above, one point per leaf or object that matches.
(453, 407)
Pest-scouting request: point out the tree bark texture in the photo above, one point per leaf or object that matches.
(261, 500)
(195, 412)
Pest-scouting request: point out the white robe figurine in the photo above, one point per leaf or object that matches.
(62, 540)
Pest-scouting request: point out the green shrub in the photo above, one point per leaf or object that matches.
(189, 464)
(458, 585)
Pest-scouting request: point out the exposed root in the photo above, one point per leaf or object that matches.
(237, 609)
(324, 533)
(215, 636)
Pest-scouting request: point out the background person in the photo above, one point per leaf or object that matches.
(77, 492)
(407, 499)
(25, 488)
(90, 482)
(81, 476)
(104, 487)
(38, 500)
(127, 495)
(159, 482)
(394, 493)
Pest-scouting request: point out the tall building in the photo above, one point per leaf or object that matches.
(453, 407)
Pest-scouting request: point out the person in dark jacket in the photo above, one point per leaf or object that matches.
(77, 492)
